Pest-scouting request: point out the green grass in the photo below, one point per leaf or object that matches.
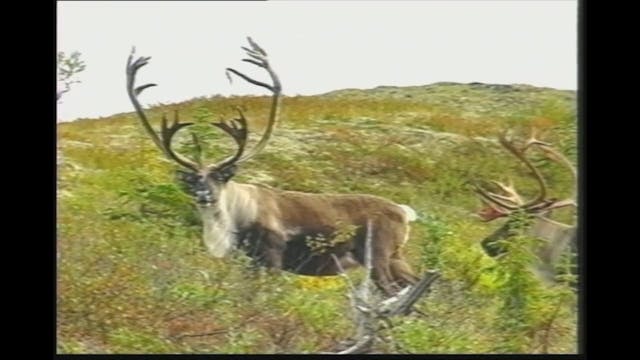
(133, 276)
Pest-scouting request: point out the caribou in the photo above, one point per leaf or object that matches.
(556, 237)
(274, 226)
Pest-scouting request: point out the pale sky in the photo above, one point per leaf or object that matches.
(314, 46)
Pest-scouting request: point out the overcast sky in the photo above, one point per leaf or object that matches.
(315, 47)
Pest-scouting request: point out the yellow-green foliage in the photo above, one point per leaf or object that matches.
(133, 276)
(319, 244)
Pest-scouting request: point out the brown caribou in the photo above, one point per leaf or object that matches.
(557, 237)
(274, 226)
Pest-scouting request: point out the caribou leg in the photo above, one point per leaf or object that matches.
(401, 272)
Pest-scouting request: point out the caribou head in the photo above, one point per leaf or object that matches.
(556, 235)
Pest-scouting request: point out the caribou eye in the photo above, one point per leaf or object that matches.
(187, 176)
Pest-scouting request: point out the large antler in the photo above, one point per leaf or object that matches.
(166, 133)
(519, 153)
(502, 205)
(554, 154)
(237, 128)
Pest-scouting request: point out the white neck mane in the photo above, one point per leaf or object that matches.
(235, 208)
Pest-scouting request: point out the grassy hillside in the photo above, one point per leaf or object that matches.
(133, 276)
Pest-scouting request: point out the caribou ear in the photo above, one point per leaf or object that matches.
(228, 172)
(186, 176)
(225, 174)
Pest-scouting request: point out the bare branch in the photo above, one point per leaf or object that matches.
(368, 313)
(343, 274)
(421, 289)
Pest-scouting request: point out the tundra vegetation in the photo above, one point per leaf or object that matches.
(134, 277)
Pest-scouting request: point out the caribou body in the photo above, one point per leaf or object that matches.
(556, 237)
(289, 230)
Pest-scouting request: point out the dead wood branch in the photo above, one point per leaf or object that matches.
(373, 314)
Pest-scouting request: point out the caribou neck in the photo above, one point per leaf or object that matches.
(235, 210)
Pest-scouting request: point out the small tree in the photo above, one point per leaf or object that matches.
(68, 67)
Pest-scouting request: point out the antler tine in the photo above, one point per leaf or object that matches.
(559, 157)
(561, 204)
(132, 70)
(533, 140)
(512, 196)
(493, 198)
(520, 155)
(554, 154)
(167, 133)
(237, 129)
(259, 58)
